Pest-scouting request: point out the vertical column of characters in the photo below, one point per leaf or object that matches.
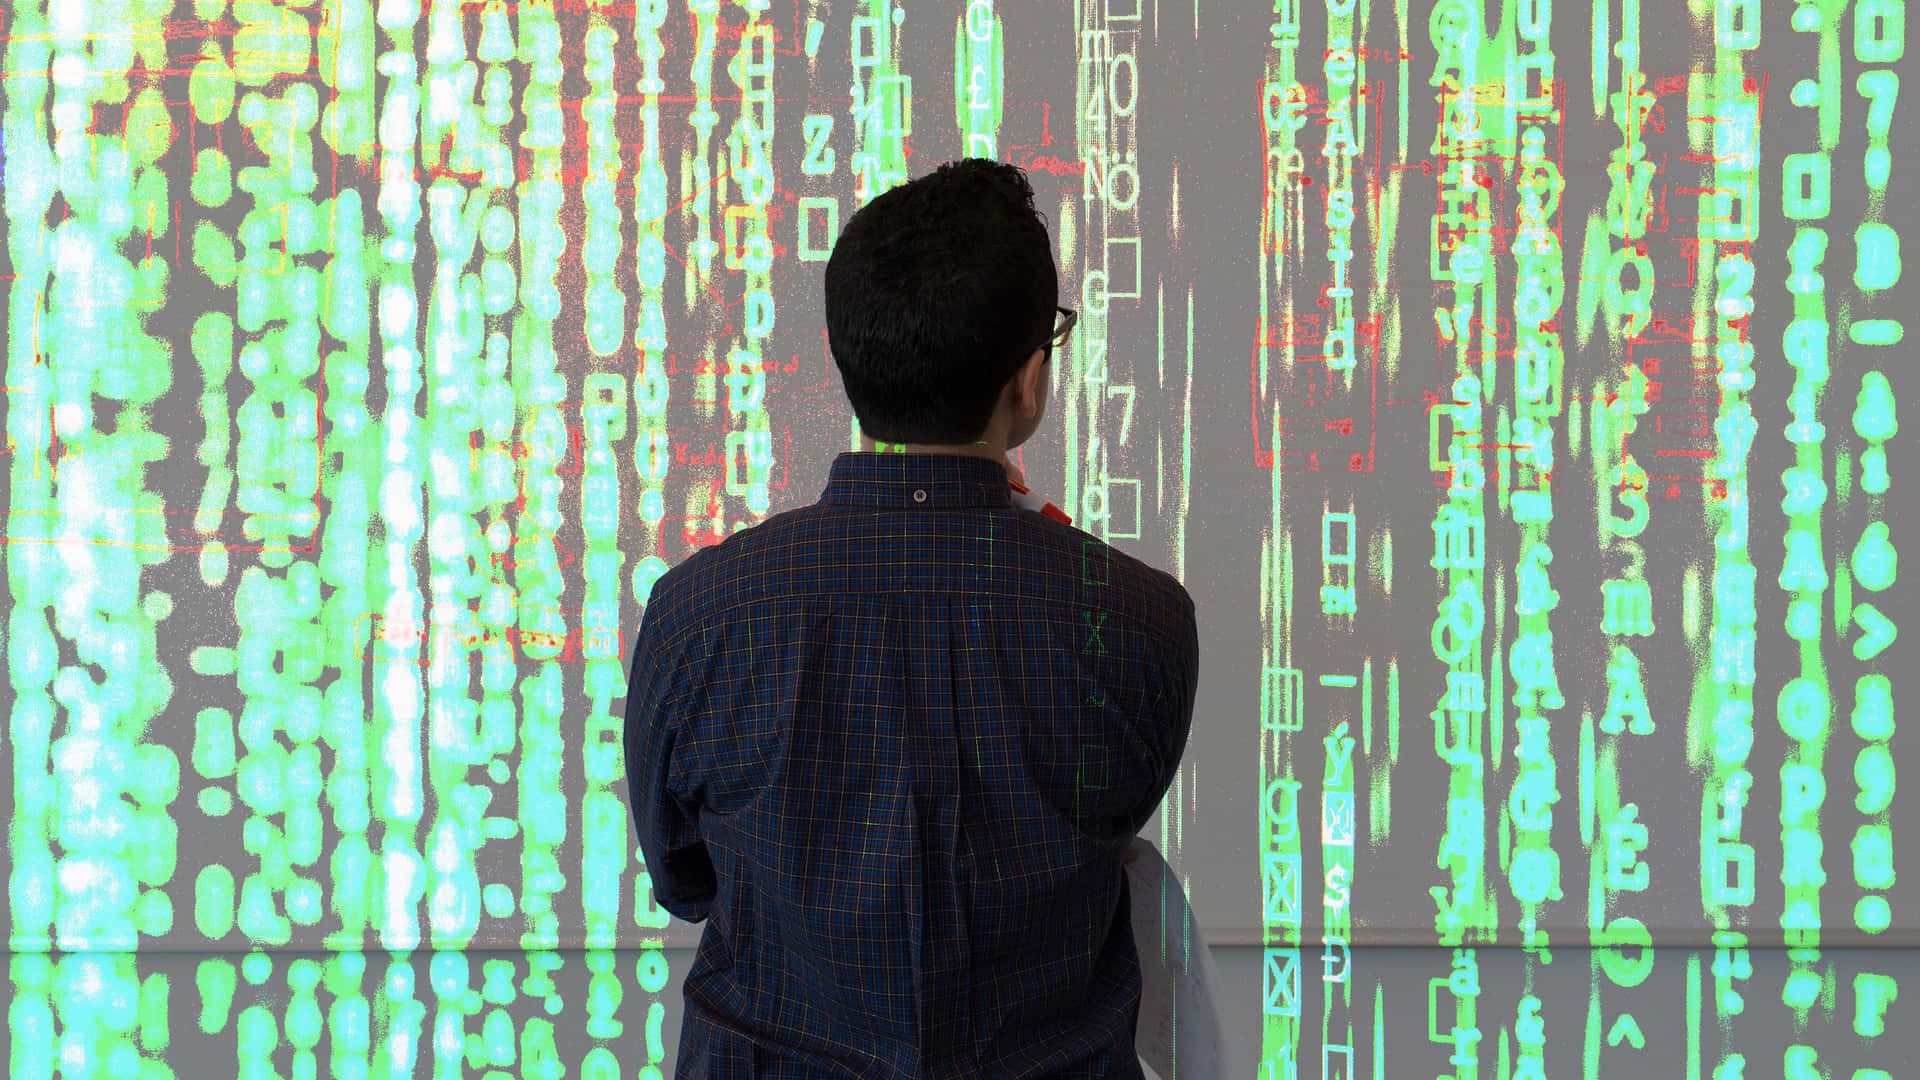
(1622, 945)
(979, 79)
(1337, 827)
(651, 388)
(40, 140)
(1282, 709)
(1346, 94)
(453, 334)
(1107, 92)
(1352, 349)
(882, 101)
(477, 496)
(1805, 703)
(277, 459)
(276, 657)
(750, 252)
(1669, 348)
(1282, 230)
(535, 581)
(696, 163)
(598, 642)
(817, 215)
(1282, 695)
(1675, 352)
(480, 144)
(1123, 260)
(1872, 567)
(369, 119)
(32, 652)
(603, 423)
(698, 180)
(1325, 408)
(353, 65)
(1879, 38)
(1533, 872)
(604, 819)
(1723, 118)
(650, 442)
(606, 304)
(354, 467)
(276, 465)
(1345, 89)
(89, 795)
(211, 98)
(1461, 231)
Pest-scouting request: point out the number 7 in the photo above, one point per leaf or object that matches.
(1126, 418)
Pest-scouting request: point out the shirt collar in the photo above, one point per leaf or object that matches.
(916, 481)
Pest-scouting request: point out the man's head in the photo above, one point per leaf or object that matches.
(940, 295)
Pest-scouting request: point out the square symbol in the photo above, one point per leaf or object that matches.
(1280, 885)
(1280, 979)
(1336, 818)
(866, 42)
(1281, 704)
(829, 207)
(1122, 485)
(1123, 267)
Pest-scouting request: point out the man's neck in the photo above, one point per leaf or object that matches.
(980, 449)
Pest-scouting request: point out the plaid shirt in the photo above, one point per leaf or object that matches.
(891, 747)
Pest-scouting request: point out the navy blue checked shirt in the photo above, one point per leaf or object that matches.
(891, 747)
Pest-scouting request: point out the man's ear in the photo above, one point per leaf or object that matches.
(1033, 374)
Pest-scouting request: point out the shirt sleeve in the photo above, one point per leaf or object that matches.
(1175, 678)
(681, 872)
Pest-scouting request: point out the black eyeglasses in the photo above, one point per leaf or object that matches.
(1060, 332)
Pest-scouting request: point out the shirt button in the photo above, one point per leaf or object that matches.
(919, 496)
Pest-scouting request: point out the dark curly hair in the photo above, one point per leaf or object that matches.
(936, 292)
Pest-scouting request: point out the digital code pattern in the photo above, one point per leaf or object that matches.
(1527, 373)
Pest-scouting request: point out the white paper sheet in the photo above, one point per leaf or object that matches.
(1182, 1034)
